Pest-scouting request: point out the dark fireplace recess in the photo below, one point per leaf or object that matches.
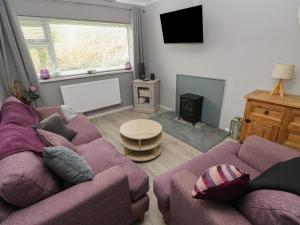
(191, 107)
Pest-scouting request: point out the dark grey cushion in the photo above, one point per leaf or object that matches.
(68, 165)
(55, 124)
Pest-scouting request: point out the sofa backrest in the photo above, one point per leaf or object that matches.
(261, 154)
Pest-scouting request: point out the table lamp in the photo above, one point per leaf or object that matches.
(282, 72)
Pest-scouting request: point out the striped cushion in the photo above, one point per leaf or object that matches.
(221, 183)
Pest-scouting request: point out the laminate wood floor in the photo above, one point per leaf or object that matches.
(174, 153)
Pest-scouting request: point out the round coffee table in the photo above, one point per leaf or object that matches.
(141, 139)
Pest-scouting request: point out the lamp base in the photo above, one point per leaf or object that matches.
(278, 89)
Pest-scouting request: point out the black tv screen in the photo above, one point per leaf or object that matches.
(183, 26)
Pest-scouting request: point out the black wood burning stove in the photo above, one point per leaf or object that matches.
(191, 107)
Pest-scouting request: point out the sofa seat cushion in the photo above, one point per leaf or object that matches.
(224, 154)
(86, 131)
(25, 180)
(271, 207)
(102, 155)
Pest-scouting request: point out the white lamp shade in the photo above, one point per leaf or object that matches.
(283, 72)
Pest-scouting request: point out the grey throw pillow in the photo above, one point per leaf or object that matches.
(55, 124)
(68, 165)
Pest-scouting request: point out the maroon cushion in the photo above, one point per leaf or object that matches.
(221, 183)
(102, 155)
(24, 179)
(15, 138)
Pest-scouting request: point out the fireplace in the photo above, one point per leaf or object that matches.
(210, 88)
(191, 107)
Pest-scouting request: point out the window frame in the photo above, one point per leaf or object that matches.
(49, 44)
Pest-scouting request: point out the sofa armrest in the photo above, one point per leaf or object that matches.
(185, 210)
(261, 154)
(105, 201)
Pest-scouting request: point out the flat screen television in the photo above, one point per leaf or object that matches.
(183, 26)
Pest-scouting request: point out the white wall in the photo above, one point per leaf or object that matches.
(65, 10)
(243, 42)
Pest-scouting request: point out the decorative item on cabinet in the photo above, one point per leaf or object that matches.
(235, 127)
(282, 72)
(272, 117)
(44, 74)
(152, 76)
(141, 71)
(128, 66)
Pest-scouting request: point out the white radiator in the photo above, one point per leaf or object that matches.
(90, 96)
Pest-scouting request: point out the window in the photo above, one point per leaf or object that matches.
(70, 47)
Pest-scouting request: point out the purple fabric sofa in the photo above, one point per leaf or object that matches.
(116, 196)
(264, 207)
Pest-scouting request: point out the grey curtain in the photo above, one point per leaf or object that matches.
(15, 60)
(138, 49)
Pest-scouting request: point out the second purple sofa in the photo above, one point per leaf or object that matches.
(264, 207)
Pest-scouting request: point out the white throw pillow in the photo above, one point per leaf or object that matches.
(68, 112)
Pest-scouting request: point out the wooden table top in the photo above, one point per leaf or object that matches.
(140, 129)
(287, 100)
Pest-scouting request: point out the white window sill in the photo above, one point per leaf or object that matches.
(80, 76)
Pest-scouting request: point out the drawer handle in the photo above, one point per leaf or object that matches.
(267, 112)
(247, 120)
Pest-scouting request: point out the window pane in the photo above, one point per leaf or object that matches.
(33, 33)
(41, 59)
(89, 46)
(68, 47)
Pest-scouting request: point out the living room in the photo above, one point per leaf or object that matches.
(122, 112)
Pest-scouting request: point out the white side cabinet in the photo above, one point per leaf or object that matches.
(146, 96)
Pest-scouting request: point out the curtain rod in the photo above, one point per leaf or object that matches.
(90, 4)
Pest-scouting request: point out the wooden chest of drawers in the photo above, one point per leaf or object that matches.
(272, 117)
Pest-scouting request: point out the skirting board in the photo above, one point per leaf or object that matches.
(166, 108)
(110, 112)
(122, 109)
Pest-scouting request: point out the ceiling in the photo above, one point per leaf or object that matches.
(137, 2)
(109, 2)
